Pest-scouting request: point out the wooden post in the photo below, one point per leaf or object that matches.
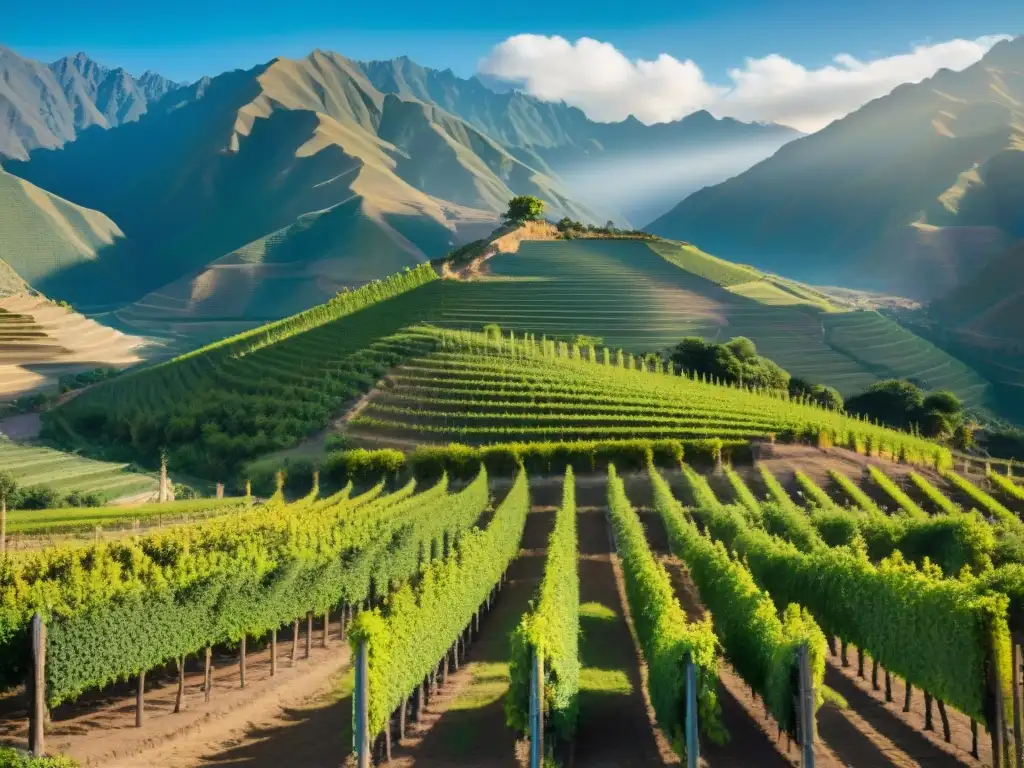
(140, 701)
(295, 640)
(208, 674)
(220, 490)
(402, 708)
(1018, 757)
(444, 670)
(241, 662)
(907, 697)
(842, 654)
(874, 673)
(273, 652)
(997, 728)
(309, 633)
(179, 699)
(974, 739)
(38, 714)
(806, 708)
(537, 711)
(888, 685)
(327, 626)
(692, 738)
(360, 732)
(163, 478)
(945, 720)
(387, 737)
(928, 725)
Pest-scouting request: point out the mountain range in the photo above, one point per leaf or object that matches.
(912, 194)
(48, 105)
(257, 193)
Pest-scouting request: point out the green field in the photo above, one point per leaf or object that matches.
(894, 352)
(633, 298)
(34, 465)
(478, 389)
(72, 519)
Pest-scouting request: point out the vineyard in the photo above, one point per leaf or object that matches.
(764, 600)
(66, 472)
(479, 388)
(529, 547)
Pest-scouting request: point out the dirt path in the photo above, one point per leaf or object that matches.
(869, 734)
(753, 734)
(465, 723)
(615, 727)
(98, 729)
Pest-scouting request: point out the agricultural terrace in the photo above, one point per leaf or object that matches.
(259, 391)
(28, 526)
(33, 465)
(481, 388)
(645, 297)
(267, 389)
(467, 582)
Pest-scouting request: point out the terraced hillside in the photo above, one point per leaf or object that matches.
(632, 297)
(40, 341)
(483, 389)
(34, 465)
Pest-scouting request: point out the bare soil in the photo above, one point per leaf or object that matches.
(99, 729)
(465, 724)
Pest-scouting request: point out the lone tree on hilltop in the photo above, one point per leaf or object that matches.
(524, 208)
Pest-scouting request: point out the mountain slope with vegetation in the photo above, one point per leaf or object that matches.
(909, 194)
(42, 235)
(298, 175)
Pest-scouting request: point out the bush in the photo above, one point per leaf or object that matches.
(735, 362)
(362, 466)
(11, 758)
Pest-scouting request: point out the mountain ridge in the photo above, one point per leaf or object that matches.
(48, 105)
(891, 188)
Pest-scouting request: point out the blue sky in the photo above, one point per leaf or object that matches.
(184, 39)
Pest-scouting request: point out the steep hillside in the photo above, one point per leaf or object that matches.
(47, 105)
(250, 159)
(638, 170)
(40, 342)
(42, 235)
(911, 193)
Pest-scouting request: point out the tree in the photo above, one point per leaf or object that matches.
(743, 348)
(8, 485)
(827, 397)
(799, 386)
(895, 402)
(524, 208)
(943, 402)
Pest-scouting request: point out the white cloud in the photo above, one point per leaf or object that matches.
(608, 86)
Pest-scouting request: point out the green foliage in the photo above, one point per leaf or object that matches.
(524, 208)
(792, 524)
(11, 758)
(901, 404)
(418, 624)
(743, 493)
(735, 362)
(986, 503)
(937, 497)
(361, 465)
(761, 647)
(776, 492)
(553, 628)
(812, 492)
(937, 633)
(70, 519)
(904, 502)
(851, 489)
(258, 392)
(1003, 483)
(122, 607)
(666, 637)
